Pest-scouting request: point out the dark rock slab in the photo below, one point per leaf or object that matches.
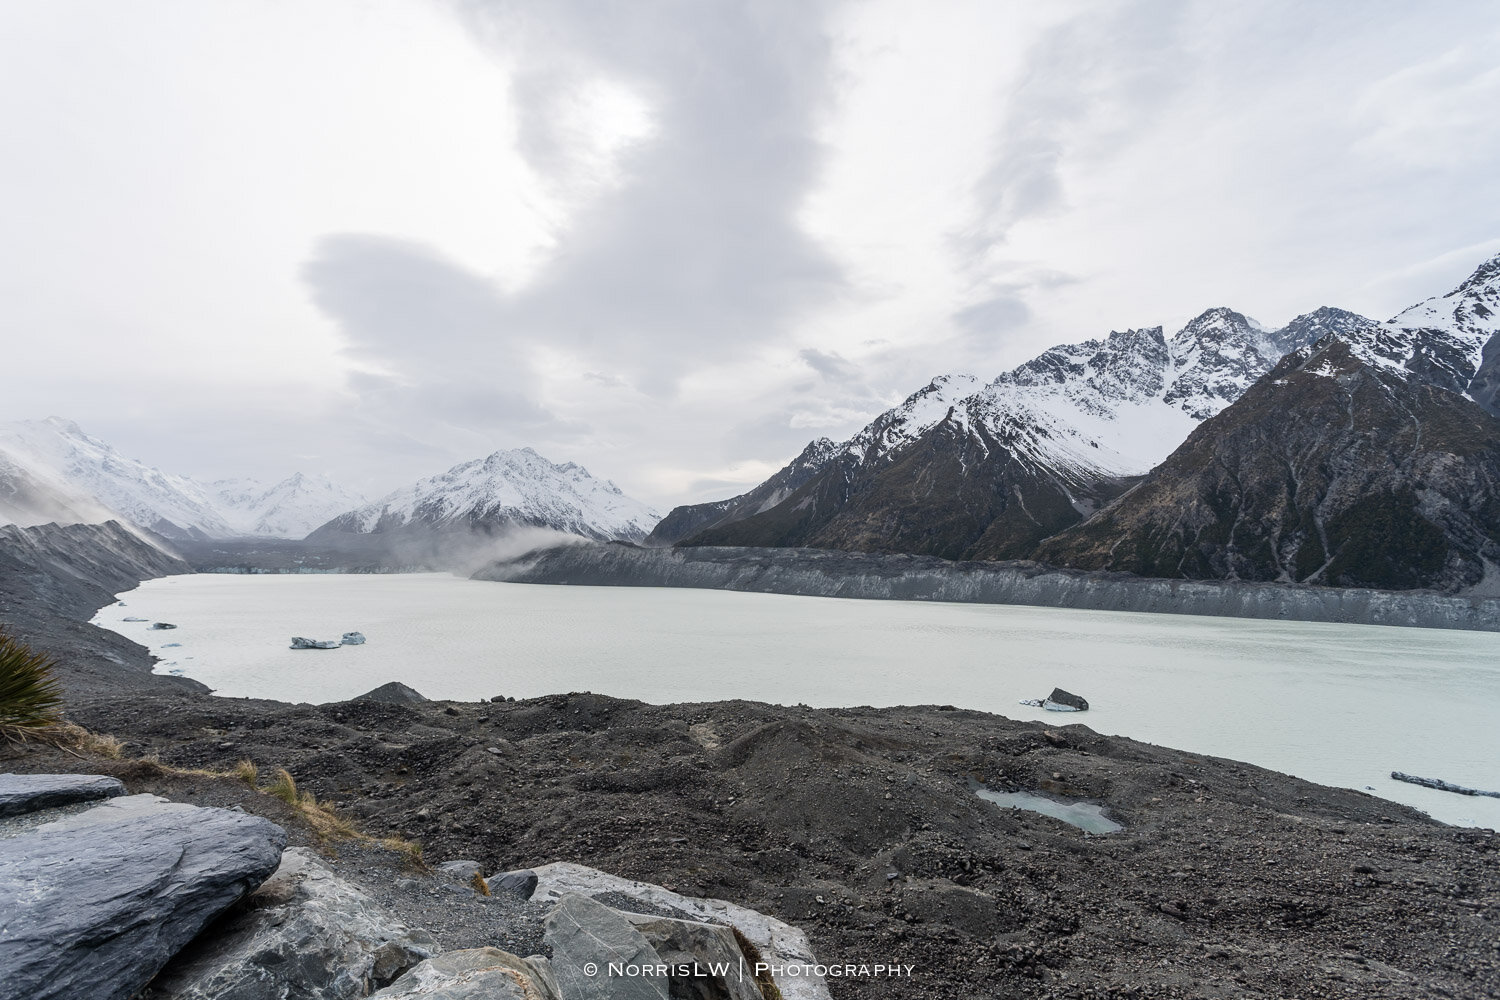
(94, 905)
(586, 935)
(1073, 701)
(305, 933)
(24, 793)
(520, 884)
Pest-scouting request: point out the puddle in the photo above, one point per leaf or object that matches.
(1086, 816)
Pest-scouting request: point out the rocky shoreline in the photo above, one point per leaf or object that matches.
(860, 828)
(877, 576)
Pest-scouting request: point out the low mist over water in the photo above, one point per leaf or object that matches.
(1338, 704)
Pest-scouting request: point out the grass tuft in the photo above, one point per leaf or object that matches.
(247, 772)
(30, 700)
(480, 885)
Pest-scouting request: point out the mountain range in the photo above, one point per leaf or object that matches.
(51, 470)
(1334, 450)
(964, 469)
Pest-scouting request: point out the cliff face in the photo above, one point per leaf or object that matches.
(957, 491)
(824, 573)
(1329, 471)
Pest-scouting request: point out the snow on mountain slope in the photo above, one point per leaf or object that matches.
(291, 508)
(171, 506)
(1442, 340)
(1118, 405)
(917, 414)
(507, 488)
(31, 494)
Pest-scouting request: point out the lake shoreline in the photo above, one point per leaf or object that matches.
(858, 825)
(876, 576)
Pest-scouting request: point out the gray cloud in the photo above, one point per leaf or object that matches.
(830, 365)
(697, 256)
(453, 342)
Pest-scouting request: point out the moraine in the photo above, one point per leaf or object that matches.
(1338, 704)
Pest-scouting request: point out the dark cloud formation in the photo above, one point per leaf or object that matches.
(698, 255)
(454, 346)
(693, 257)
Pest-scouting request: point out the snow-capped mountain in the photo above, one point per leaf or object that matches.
(172, 506)
(961, 468)
(51, 470)
(504, 490)
(1370, 458)
(291, 508)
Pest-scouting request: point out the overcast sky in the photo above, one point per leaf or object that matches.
(674, 241)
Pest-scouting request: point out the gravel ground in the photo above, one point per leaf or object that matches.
(862, 827)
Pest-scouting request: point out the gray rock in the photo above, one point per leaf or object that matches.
(162, 625)
(306, 934)
(720, 969)
(521, 884)
(300, 642)
(461, 868)
(24, 793)
(586, 934)
(475, 974)
(95, 904)
(1069, 702)
(353, 639)
(779, 943)
(394, 693)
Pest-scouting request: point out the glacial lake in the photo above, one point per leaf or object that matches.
(1337, 704)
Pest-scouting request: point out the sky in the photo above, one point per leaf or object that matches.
(675, 240)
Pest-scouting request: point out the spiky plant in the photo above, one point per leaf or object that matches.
(30, 700)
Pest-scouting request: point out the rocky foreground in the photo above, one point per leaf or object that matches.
(859, 828)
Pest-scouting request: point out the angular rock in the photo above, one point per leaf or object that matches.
(461, 868)
(24, 793)
(721, 971)
(304, 934)
(95, 904)
(353, 639)
(521, 884)
(474, 974)
(1062, 701)
(394, 693)
(586, 935)
(779, 943)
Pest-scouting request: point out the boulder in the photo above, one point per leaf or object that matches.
(353, 639)
(305, 934)
(475, 974)
(93, 905)
(461, 868)
(721, 971)
(586, 938)
(24, 793)
(779, 943)
(300, 642)
(394, 693)
(162, 625)
(520, 884)
(1060, 700)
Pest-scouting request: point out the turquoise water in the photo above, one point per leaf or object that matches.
(1084, 815)
(1339, 704)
